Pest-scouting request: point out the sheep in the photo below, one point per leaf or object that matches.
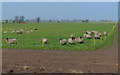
(100, 34)
(12, 31)
(27, 31)
(97, 37)
(63, 41)
(70, 40)
(88, 36)
(11, 41)
(35, 28)
(22, 30)
(72, 36)
(5, 32)
(95, 32)
(19, 32)
(105, 33)
(88, 32)
(31, 30)
(79, 40)
(85, 35)
(44, 40)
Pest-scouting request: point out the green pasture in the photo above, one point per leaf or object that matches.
(55, 31)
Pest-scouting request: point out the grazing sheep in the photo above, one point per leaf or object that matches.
(22, 30)
(95, 32)
(97, 37)
(85, 35)
(72, 36)
(105, 33)
(31, 30)
(100, 34)
(11, 41)
(63, 41)
(27, 31)
(88, 32)
(45, 40)
(12, 31)
(19, 32)
(35, 29)
(5, 32)
(70, 40)
(79, 40)
(88, 36)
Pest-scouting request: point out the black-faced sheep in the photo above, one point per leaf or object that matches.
(45, 40)
(97, 37)
(11, 41)
(70, 41)
(63, 41)
(105, 33)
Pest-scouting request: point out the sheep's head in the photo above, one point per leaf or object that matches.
(80, 37)
(60, 39)
(7, 38)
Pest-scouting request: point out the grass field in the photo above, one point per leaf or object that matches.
(55, 31)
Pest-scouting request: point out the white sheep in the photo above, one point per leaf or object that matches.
(72, 36)
(79, 40)
(11, 41)
(88, 36)
(95, 32)
(97, 37)
(88, 32)
(5, 32)
(18, 32)
(105, 33)
(12, 31)
(63, 41)
(71, 41)
(44, 40)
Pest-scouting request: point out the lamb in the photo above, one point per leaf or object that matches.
(95, 32)
(19, 32)
(11, 41)
(12, 31)
(85, 35)
(72, 36)
(45, 40)
(5, 31)
(63, 41)
(70, 40)
(99, 34)
(79, 40)
(105, 33)
(88, 32)
(35, 28)
(97, 37)
(88, 36)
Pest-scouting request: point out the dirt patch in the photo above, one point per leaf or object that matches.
(61, 61)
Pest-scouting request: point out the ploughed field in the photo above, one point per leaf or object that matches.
(32, 39)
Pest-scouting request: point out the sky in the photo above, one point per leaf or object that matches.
(61, 10)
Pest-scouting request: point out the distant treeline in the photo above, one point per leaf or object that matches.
(21, 19)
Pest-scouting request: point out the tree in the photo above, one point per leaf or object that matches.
(6, 21)
(38, 19)
(16, 19)
(22, 19)
(50, 20)
(13, 21)
(87, 20)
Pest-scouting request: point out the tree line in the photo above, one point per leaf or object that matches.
(21, 19)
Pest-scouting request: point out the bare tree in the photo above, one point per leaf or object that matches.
(17, 19)
(38, 19)
(22, 19)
